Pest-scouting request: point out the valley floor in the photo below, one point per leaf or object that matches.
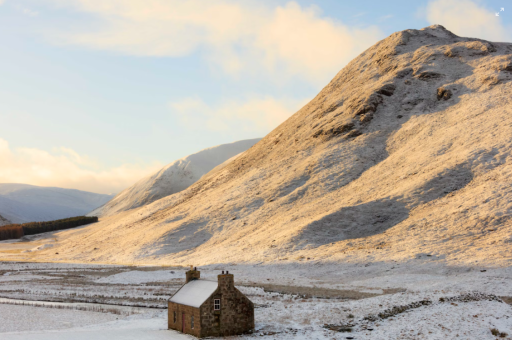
(299, 301)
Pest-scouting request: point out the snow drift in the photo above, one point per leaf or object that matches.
(405, 154)
(173, 178)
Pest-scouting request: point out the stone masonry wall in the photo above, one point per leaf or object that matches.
(192, 274)
(210, 319)
(189, 311)
(236, 315)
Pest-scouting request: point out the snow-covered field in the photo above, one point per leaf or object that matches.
(308, 301)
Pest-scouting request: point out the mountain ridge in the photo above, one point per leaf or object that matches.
(22, 203)
(173, 178)
(4, 221)
(405, 153)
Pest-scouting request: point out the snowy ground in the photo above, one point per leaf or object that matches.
(67, 324)
(301, 302)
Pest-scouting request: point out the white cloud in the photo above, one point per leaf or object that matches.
(258, 115)
(385, 17)
(240, 37)
(469, 19)
(66, 169)
(26, 11)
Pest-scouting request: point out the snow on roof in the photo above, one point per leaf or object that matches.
(194, 293)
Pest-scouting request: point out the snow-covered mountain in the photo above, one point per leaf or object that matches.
(406, 154)
(4, 221)
(21, 203)
(173, 178)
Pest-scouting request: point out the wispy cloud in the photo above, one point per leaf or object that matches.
(468, 18)
(241, 38)
(258, 115)
(27, 11)
(67, 169)
(385, 17)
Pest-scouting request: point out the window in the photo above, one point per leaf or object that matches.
(192, 322)
(175, 317)
(216, 304)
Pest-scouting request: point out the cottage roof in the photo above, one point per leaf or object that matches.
(194, 293)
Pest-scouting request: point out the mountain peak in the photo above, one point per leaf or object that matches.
(406, 148)
(172, 178)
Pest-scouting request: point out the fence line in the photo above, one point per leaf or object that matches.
(88, 307)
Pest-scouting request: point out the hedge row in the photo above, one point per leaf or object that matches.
(19, 230)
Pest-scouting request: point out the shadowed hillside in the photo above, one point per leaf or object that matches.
(22, 203)
(407, 151)
(4, 221)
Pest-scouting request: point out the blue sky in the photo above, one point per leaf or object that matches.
(98, 93)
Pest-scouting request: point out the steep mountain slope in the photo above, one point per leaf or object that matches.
(22, 203)
(173, 178)
(4, 221)
(405, 154)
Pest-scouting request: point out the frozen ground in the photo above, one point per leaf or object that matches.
(45, 324)
(25, 318)
(306, 301)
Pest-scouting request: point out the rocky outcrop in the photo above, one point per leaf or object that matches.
(443, 93)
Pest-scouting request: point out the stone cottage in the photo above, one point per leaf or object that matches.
(209, 308)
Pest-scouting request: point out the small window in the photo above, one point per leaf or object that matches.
(192, 322)
(175, 316)
(216, 304)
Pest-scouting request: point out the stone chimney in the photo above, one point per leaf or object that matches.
(192, 274)
(226, 282)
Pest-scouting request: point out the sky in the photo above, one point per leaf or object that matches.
(97, 94)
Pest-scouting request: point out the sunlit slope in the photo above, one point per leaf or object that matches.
(405, 153)
(173, 178)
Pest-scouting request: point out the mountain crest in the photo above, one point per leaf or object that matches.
(407, 148)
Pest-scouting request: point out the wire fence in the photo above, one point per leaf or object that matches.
(88, 307)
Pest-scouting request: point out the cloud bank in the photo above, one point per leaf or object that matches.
(66, 169)
(236, 37)
(257, 115)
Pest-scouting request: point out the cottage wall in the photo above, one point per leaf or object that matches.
(189, 311)
(236, 315)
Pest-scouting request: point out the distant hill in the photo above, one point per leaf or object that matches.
(4, 221)
(21, 203)
(173, 178)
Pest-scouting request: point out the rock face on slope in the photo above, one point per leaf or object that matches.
(405, 153)
(21, 203)
(173, 178)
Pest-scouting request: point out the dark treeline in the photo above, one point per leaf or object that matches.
(12, 231)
